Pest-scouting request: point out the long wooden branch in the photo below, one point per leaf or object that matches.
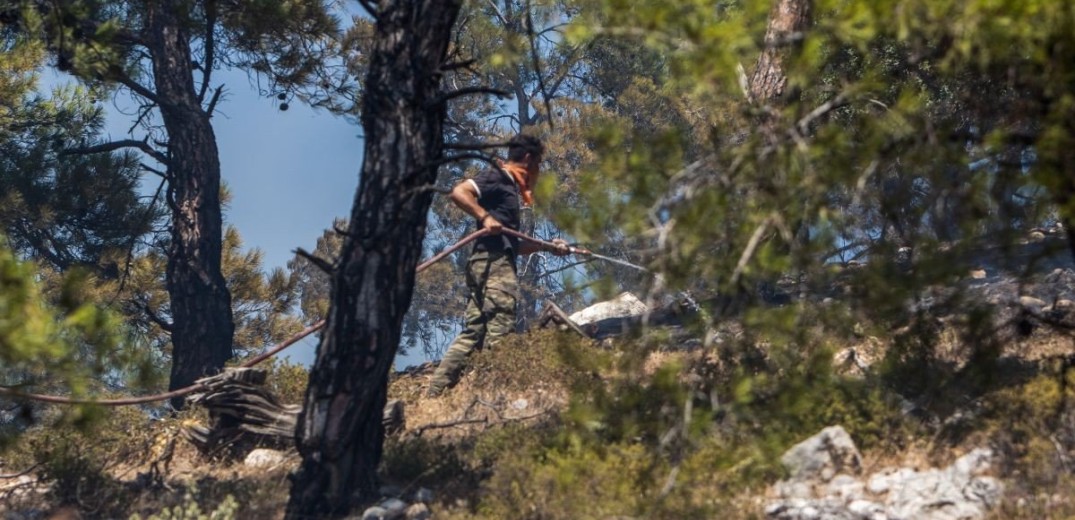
(154, 171)
(139, 89)
(315, 260)
(21, 473)
(212, 102)
(117, 145)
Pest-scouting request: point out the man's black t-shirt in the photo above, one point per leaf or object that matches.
(499, 195)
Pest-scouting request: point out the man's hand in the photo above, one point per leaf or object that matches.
(560, 247)
(492, 224)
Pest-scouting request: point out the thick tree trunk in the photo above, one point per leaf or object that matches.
(200, 301)
(340, 433)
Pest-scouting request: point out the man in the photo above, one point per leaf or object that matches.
(494, 198)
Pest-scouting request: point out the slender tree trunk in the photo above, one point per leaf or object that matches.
(787, 21)
(768, 86)
(200, 301)
(340, 433)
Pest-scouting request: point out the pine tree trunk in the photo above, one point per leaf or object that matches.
(200, 301)
(787, 20)
(340, 433)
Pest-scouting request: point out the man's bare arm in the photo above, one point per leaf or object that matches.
(465, 196)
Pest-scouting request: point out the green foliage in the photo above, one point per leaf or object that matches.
(418, 462)
(261, 301)
(912, 136)
(66, 209)
(619, 480)
(685, 438)
(69, 345)
(19, 61)
(76, 216)
(191, 510)
(287, 380)
(1026, 422)
(862, 166)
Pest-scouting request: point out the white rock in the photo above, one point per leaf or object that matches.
(793, 489)
(823, 456)
(845, 487)
(950, 493)
(264, 458)
(623, 306)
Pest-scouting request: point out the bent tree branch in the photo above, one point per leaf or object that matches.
(118, 145)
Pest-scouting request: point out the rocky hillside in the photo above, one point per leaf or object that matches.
(929, 418)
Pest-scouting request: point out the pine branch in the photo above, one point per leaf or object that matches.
(316, 261)
(118, 145)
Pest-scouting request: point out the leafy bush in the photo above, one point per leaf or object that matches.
(287, 380)
(191, 510)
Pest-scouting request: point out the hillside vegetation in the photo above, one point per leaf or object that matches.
(852, 223)
(664, 422)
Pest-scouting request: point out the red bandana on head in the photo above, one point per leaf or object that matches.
(522, 178)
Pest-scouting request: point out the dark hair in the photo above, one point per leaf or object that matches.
(522, 144)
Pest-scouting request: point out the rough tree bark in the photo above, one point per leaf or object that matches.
(787, 20)
(200, 301)
(340, 433)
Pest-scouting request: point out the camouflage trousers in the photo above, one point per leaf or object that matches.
(490, 314)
